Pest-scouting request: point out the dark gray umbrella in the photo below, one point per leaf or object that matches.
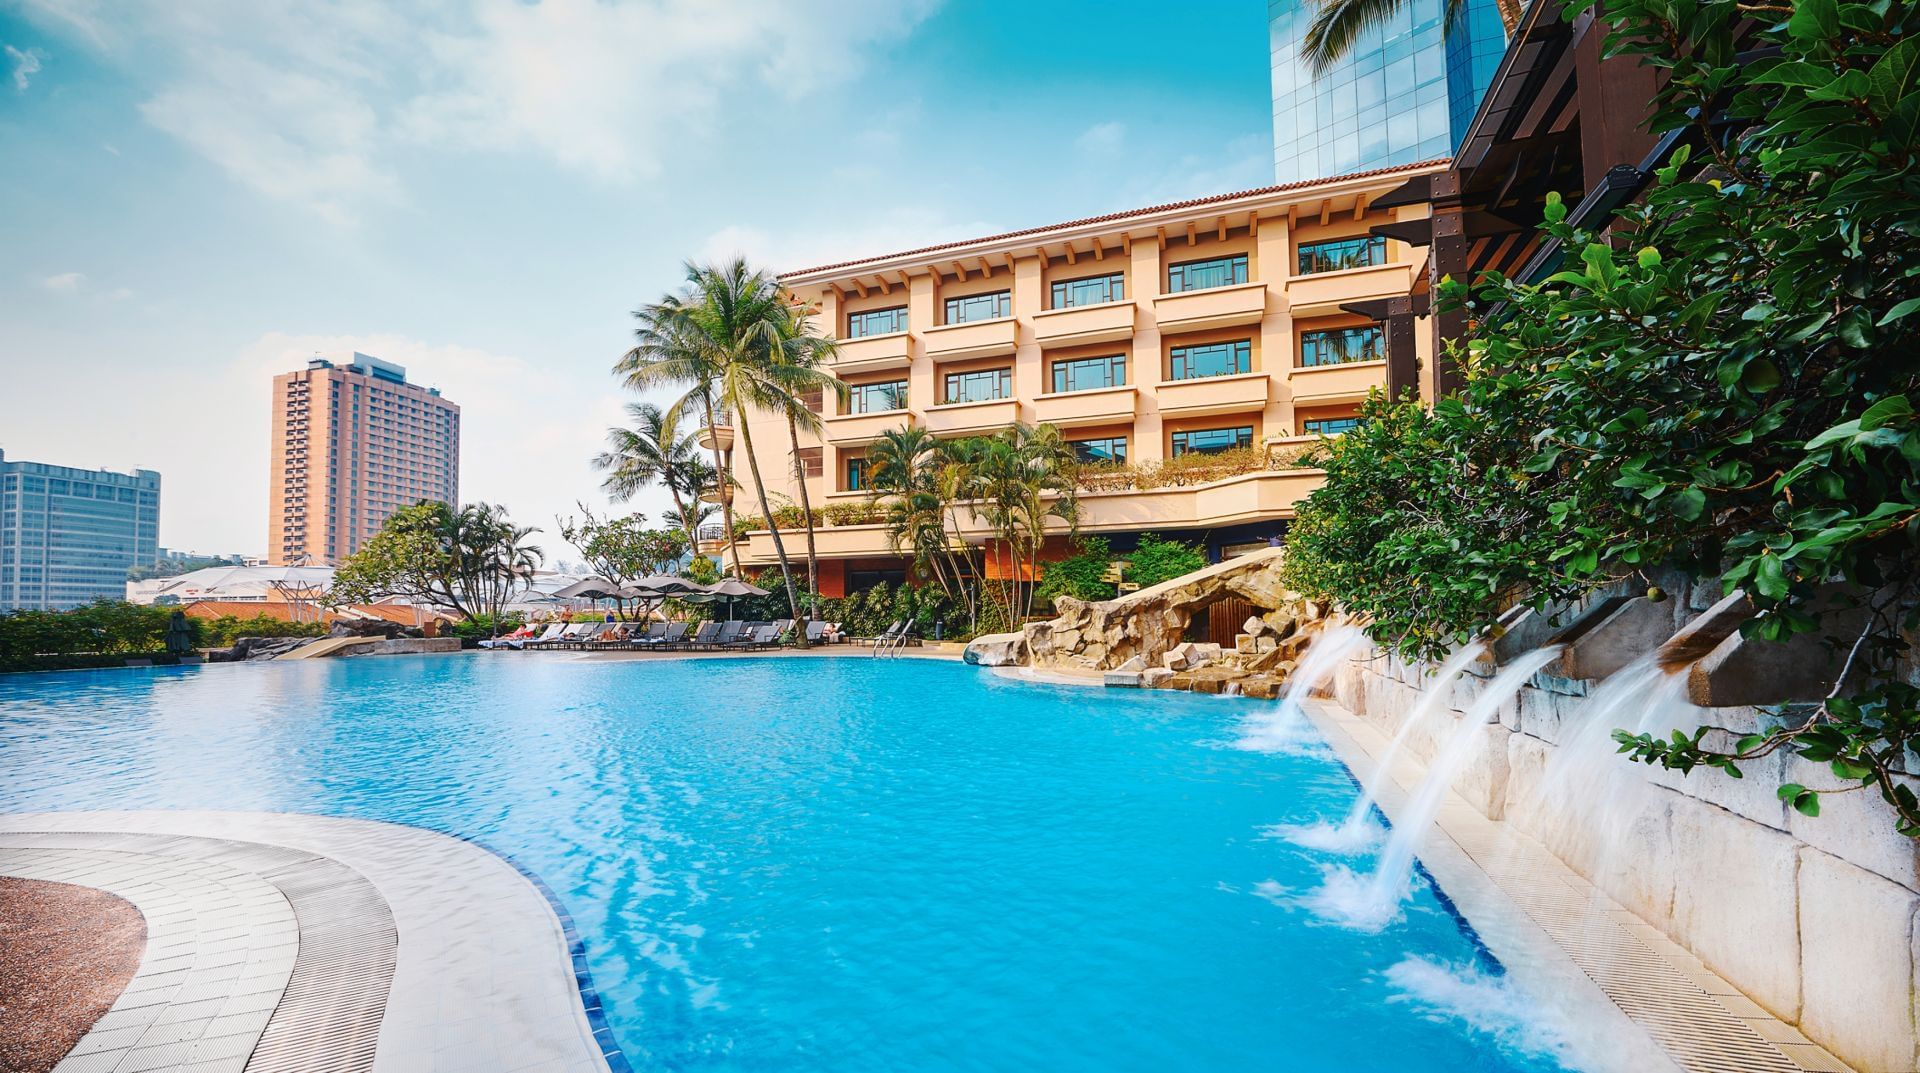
(593, 588)
(661, 585)
(728, 588)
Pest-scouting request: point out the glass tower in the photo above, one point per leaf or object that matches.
(1404, 93)
(68, 535)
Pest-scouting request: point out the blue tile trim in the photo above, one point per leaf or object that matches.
(610, 1051)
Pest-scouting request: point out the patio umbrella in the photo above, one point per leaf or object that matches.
(661, 585)
(592, 588)
(729, 588)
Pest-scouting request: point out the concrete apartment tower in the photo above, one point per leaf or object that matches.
(1405, 92)
(68, 536)
(352, 443)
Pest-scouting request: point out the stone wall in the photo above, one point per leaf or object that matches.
(1816, 919)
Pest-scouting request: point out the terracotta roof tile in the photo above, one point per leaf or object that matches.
(1171, 206)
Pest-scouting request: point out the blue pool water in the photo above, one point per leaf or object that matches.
(834, 864)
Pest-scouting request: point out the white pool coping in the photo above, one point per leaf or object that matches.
(483, 978)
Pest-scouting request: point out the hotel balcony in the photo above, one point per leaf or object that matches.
(1246, 497)
(864, 428)
(719, 436)
(1216, 307)
(1325, 292)
(1213, 394)
(1326, 385)
(1105, 323)
(971, 417)
(981, 339)
(873, 353)
(1080, 409)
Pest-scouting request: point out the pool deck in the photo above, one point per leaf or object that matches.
(1559, 934)
(281, 942)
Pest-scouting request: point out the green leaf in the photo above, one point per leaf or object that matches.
(1760, 375)
(1885, 412)
(1899, 311)
(1807, 803)
(1814, 20)
(1789, 790)
(1688, 503)
(1894, 76)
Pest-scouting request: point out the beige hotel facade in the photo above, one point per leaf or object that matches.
(1248, 319)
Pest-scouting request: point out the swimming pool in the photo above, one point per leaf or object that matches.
(835, 864)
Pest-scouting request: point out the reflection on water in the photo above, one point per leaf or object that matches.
(827, 864)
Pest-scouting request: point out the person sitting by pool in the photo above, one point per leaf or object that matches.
(832, 635)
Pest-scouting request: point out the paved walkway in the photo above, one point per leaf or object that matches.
(288, 942)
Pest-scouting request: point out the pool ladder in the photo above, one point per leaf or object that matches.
(894, 639)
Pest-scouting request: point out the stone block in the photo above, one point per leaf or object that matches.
(997, 650)
(1624, 633)
(1856, 827)
(1121, 679)
(1254, 626)
(1483, 780)
(1243, 644)
(1154, 677)
(1266, 643)
(1735, 901)
(1858, 951)
(1134, 664)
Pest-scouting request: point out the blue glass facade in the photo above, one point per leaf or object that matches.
(1404, 93)
(68, 536)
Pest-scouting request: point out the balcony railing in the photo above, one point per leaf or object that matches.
(1220, 307)
(1104, 323)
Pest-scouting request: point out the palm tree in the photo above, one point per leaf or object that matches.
(674, 349)
(1339, 23)
(905, 469)
(718, 336)
(794, 375)
(1023, 477)
(654, 449)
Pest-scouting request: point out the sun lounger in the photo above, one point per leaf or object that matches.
(760, 637)
(816, 631)
(729, 633)
(555, 634)
(589, 631)
(702, 637)
(654, 635)
(671, 633)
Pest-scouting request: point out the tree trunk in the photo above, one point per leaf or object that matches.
(720, 486)
(766, 511)
(806, 509)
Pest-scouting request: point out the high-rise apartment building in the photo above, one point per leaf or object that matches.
(352, 443)
(68, 536)
(1405, 92)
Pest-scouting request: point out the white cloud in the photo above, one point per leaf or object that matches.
(313, 104)
(1103, 139)
(65, 282)
(25, 65)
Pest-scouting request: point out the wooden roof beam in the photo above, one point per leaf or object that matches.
(1162, 232)
(860, 286)
(985, 268)
(960, 270)
(1221, 228)
(1072, 257)
(1326, 210)
(1359, 206)
(1192, 230)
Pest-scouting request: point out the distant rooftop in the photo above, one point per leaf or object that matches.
(367, 365)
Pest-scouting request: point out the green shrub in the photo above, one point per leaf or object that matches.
(1079, 575)
(222, 632)
(1157, 560)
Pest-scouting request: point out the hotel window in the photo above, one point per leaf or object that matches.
(877, 398)
(1328, 426)
(1337, 346)
(812, 400)
(1091, 291)
(983, 385)
(1212, 359)
(1104, 449)
(1208, 441)
(856, 474)
(1088, 374)
(995, 306)
(810, 463)
(877, 322)
(1336, 254)
(1199, 275)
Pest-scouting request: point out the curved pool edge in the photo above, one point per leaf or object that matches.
(465, 915)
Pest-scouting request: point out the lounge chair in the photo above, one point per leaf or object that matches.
(671, 634)
(653, 634)
(702, 637)
(556, 635)
(729, 633)
(760, 637)
(587, 635)
(816, 631)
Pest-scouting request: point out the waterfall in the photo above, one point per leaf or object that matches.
(1358, 831)
(1283, 728)
(1372, 902)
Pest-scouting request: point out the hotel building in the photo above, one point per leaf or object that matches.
(352, 443)
(1254, 319)
(68, 536)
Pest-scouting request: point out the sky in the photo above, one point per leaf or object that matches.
(197, 196)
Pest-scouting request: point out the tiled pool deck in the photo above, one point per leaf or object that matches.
(286, 942)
